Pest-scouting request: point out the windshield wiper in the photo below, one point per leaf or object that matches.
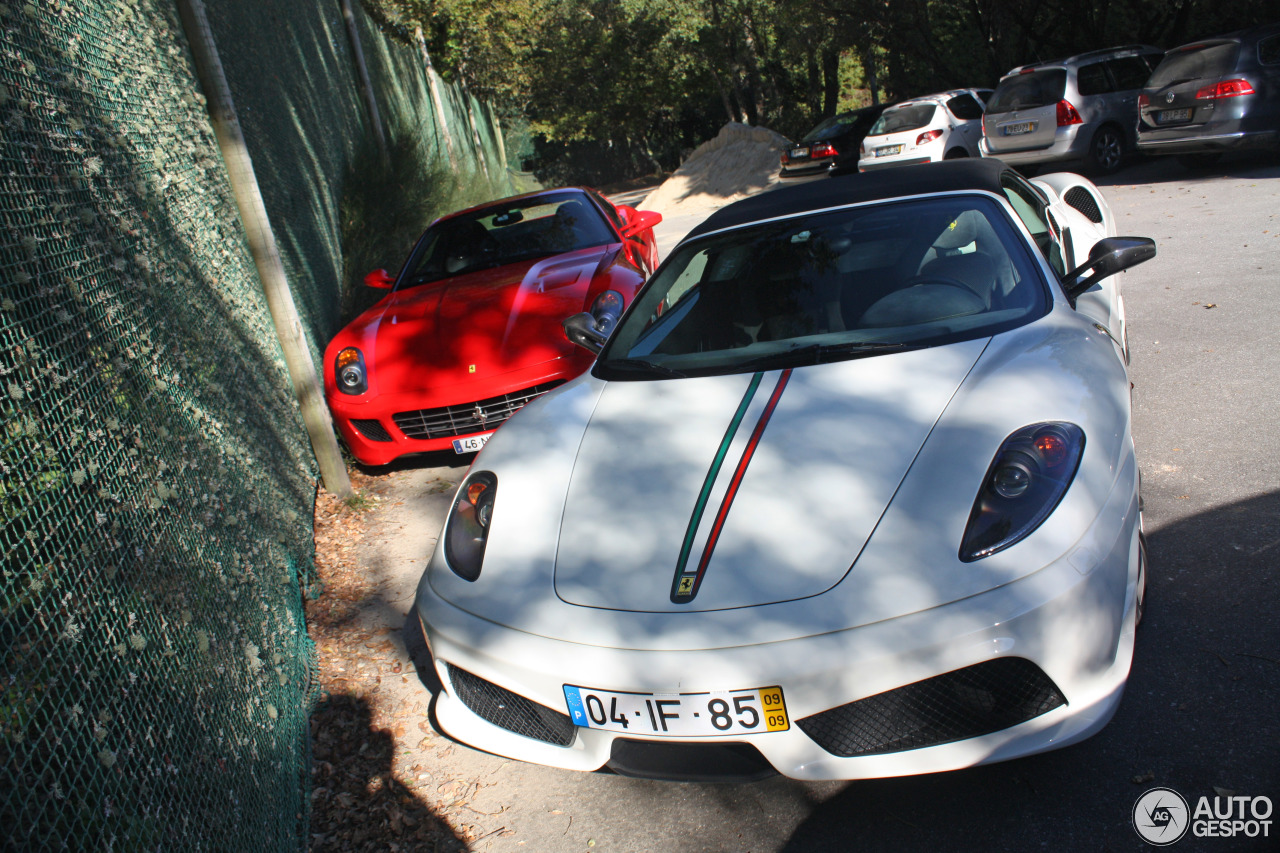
(823, 353)
(640, 366)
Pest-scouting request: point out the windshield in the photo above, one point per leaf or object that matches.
(1195, 62)
(908, 117)
(828, 286)
(505, 233)
(1030, 90)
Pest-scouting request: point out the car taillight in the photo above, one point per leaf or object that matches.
(1067, 114)
(928, 136)
(822, 149)
(786, 158)
(1143, 100)
(1226, 89)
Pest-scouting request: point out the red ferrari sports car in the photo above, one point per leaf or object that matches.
(471, 330)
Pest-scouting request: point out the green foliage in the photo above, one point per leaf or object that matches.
(628, 84)
(387, 202)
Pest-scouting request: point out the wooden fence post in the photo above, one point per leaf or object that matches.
(434, 85)
(262, 245)
(366, 85)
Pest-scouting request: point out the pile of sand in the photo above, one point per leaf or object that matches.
(741, 161)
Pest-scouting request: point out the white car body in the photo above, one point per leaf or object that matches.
(953, 130)
(836, 575)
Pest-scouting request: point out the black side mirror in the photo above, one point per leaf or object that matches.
(1108, 257)
(581, 329)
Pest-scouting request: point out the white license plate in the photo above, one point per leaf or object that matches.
(724, 712)
(888, 150)
(1019, 128)
(471, 443)
(1170, 116)
(800, 152)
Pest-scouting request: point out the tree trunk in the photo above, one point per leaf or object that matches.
(830, 81)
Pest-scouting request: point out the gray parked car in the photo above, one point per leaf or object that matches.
(1214, 95)
(1081, 108)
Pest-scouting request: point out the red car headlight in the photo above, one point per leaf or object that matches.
(349, 372)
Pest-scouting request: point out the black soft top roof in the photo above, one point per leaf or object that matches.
(948, 176)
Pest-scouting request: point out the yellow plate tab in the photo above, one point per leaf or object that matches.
(775, 710)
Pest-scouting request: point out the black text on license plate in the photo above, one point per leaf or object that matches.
(471, 443)
(1019, 128)
(888, 150)
(725, 712)
(1171, 116)
(797, 153)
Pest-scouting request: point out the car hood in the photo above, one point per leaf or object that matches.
(476, 325)
(763, 488)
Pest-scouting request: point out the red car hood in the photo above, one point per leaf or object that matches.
(474, 326)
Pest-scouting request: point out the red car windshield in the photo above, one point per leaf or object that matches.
(506, 233)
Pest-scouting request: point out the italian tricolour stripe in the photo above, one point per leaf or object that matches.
(688, 580)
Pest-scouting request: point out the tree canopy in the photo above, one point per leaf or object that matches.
(645, 79)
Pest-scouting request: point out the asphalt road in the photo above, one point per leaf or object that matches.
(1200, 713)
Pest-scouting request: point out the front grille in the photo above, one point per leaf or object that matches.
(510, 710)
(676, 761)
(372, 430)
(466, 418)
(1082, 200)
(970, 702)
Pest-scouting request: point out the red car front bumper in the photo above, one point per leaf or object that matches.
(379, 428)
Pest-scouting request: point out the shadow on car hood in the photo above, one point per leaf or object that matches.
(735, 491)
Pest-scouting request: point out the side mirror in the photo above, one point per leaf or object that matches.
(581, 329)
(379, 280)
(1108, 257)
(640, 220)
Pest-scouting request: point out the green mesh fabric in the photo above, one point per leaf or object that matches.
(156, 485)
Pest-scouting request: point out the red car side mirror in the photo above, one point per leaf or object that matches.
(380, 280)
(640, 220)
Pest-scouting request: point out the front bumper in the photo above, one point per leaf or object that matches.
(368, 426)
(1073, 619)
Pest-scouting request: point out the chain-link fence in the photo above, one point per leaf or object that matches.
(156, 487)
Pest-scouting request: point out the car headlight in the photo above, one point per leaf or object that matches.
(1027, 479)
(349, 373)
(605, 310)
(467, 530)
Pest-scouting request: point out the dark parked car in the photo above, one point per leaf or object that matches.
(832, 146)
(1214, 95)
(1083, 108)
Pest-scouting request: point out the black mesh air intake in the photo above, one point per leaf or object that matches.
(510, 710)
(969, 702)
(1082, 200)
(371, 429)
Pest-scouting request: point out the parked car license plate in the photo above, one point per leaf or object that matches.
(797, 153)
(1019, 128)
(1171, 116)
(888, 150)
(724, 712)
(471, 443)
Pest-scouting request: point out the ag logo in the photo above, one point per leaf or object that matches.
(1161, 816)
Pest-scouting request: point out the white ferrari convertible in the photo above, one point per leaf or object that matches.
(849, 492)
